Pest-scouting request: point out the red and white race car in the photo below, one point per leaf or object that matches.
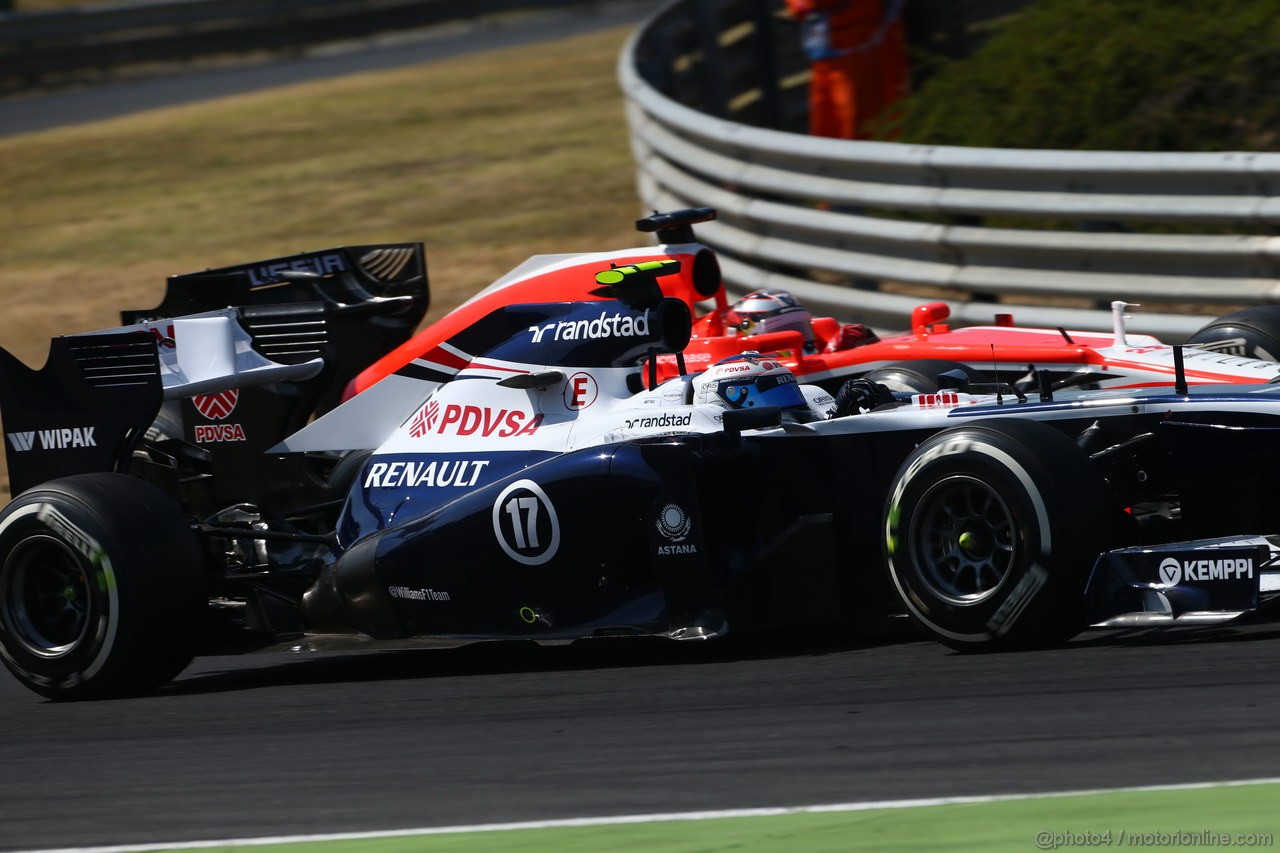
(1238, 348)
(826, 352)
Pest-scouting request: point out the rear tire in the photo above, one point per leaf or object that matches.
(919, 376)
(1252, 332)
(344, 474)
(100, 587)
(991, 531)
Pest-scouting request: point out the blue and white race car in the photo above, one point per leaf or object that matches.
(187, 486)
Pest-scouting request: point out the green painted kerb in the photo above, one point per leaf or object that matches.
(1134, 820)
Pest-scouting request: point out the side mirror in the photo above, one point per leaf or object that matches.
(926, 316)
(953, 380)
(542, 380)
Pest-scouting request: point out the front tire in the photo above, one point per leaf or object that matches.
(1251, 332)
(100, 587)
(920, 376)
(991, 531)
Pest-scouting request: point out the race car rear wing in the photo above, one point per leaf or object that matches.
(341, 276)
(213, 351)
(84, 411)
(302, 326)
(375, 296)
(98, 391)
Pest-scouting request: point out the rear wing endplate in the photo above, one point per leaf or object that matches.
(84, 411)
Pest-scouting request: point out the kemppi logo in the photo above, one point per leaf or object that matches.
(472, 420)
(1174, 571)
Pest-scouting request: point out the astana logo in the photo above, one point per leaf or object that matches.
(674, 523)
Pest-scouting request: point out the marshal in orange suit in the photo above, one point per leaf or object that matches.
(859, 62)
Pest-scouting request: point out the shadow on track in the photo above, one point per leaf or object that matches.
(262, 671)
(266, 670)
(1239, 632)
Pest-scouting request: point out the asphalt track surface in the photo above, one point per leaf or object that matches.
(78, 106)
(271, 744)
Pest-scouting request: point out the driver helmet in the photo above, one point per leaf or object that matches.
(746, 380)
(764, 311)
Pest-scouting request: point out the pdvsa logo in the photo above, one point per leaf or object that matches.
(218, 406)
(213, 433)
(472, 420)
(425, 420)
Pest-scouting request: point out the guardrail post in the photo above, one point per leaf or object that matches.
(712, 66)
(766, 50)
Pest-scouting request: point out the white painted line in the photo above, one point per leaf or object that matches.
(617, 820)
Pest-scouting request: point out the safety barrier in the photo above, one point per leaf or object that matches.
(849, 226)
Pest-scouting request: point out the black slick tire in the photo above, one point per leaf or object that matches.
(919, 376)
(991, 531)
(1251, 332)
(100, 587)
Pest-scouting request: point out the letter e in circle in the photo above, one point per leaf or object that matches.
(580, 391)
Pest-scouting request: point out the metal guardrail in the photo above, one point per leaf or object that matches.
(51, 47)
(701, 76)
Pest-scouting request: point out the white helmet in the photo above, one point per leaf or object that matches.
(746, 380)
(763, 311)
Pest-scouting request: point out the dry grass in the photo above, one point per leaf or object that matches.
(487, 159)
